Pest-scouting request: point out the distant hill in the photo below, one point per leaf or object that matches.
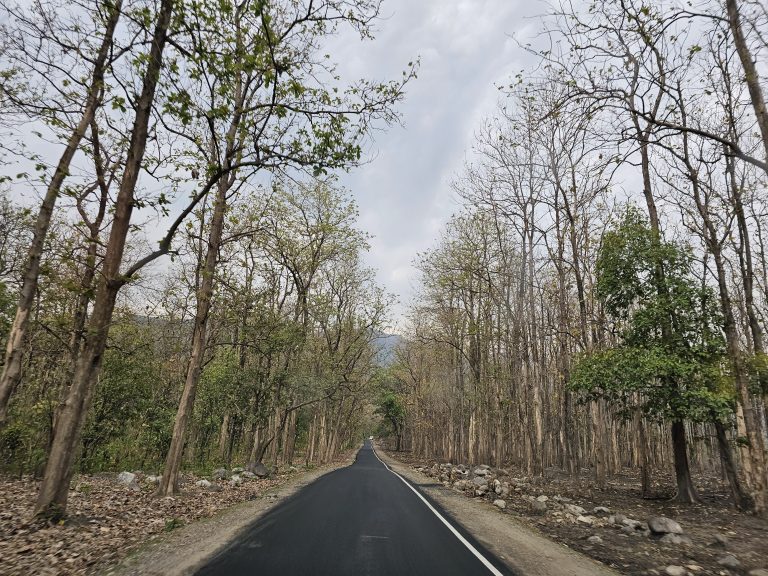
(387, 343)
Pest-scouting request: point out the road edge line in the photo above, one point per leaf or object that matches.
(487, 563)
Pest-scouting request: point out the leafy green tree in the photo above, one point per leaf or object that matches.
(676, 377)
(391, 408)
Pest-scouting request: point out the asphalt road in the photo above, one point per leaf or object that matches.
(359, 520)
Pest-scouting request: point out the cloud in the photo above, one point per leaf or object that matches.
(466, 49)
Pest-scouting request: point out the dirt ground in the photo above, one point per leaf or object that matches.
(716, 530)
(108, 522)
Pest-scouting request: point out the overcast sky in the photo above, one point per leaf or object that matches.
(467, 48)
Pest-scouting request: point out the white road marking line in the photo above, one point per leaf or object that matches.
(491, 568)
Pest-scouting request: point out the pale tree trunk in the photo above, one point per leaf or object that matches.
(52, 498)
(11, 374)
(750, 71)
(169, 484)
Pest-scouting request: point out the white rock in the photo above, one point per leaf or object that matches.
(542, 498)
(595, 539)
(500, 503)
(588, 520)
(675, 571)
(663, 525)
(126, 478)
(203, 484)
(729, 561)
(575, 510)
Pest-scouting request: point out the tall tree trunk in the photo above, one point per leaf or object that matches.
(52, 498)
(169, 484)
(11, 374)
(686, 492)
(729, 465)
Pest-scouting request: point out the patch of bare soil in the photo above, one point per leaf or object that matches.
(716, 540)
(106, 521)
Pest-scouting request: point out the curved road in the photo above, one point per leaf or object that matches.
(355, 521)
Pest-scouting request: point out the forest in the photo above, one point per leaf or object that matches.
(182, 275)
(598, 302)
(182, 283)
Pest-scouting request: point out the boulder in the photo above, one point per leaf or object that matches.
(729, 561)
(500, 503)
(235, 480)
(221, 474)
(663, 525)
(246, 474)
(573, 509)
(601, 511)
(480, 471)
(720, 540)
(204, 484)
(238, 470)
(676, 539)
(127, 479)
(152, 479)
(258, 469)
(479, 481)
(587, 520)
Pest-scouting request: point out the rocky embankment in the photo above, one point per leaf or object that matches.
(636, 539)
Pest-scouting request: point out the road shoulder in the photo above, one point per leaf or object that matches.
(183, 551)
(523, 550)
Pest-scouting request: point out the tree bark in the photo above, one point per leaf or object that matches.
(52, 498)
(12, 366)
(169, 484)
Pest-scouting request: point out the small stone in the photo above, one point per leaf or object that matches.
(500, 504)
(575, 510)
(479, 481)
(619, 518)
(588, 520)
(246, 474)
(675, 571)
(538, 507)
(542, 498)
(663, 525)
(720, 540)
(152, 480)
(481, 471)
(126, 478)
(238, 470)
(729, 561)
(601, 511)
(203, 484)
(235, 480)
(220, 474)
(595, 539)
(675, 539)
(758, 572)
(258, 469)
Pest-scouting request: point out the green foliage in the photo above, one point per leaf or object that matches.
(172, 523)
(392, 409)
(669, 360)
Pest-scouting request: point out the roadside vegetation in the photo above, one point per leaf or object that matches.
(181, 282)
(598, 305)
